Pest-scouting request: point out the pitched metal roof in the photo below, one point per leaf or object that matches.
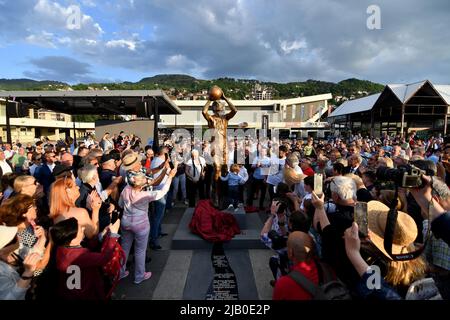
(402, 91)
(444, 91)
(405, 91)
(356, 105)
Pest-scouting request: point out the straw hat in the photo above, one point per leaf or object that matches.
(130, 160)
(292, 177)
(405, 229)
(6, 235)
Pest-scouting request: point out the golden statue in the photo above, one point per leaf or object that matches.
(219, 122)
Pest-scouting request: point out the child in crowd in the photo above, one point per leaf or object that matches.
(234, 180)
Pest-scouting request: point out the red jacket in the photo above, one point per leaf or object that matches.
(92, 286)
(287, 289)
(212, 224)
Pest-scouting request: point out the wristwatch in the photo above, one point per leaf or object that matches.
(26, 278)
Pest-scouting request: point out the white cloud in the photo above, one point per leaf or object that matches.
(88, 3)
(289, 46)
(130, 44)
(53, 16)
(176, 61)
(43, 39)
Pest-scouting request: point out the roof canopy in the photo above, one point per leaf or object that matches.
(397, 94)
(95, 101)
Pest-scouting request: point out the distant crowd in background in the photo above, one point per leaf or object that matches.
(96, 203)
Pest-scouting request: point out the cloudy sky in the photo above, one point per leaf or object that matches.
(277, 40)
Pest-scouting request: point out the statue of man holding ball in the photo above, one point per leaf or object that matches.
(219, 122)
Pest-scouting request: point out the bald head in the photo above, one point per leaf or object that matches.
(67, 159)
(300, 246)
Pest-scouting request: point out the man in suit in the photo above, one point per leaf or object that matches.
(5, 166)
(354, 163)
(44, 173)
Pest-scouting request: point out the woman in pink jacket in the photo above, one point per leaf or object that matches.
(135, 225)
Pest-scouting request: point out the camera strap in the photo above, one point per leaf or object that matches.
(391, 221)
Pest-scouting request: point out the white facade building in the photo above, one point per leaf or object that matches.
(297, 115)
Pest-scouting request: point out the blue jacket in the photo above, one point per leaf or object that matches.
(233, 179)
(44, 176)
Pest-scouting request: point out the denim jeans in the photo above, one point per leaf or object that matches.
(135, 228)
(156, 217)
(176, 181)
(233, 194)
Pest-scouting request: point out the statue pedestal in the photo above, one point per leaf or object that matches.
(240, 216)
(250, 225)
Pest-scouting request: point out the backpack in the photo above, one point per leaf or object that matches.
(329, 288)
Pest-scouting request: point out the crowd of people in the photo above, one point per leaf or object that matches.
(68, 207)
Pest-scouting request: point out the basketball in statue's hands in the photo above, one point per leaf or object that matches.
(215, 93)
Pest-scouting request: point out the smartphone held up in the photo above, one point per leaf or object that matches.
(361, 218)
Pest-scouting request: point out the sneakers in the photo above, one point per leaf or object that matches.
(147, 275)
(236, 209)
(124, 275)
(240, 205)
(230, 207)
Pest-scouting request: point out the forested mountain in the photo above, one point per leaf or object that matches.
(180, 84)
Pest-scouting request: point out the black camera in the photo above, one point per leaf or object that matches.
(405, 176)
(278, 242)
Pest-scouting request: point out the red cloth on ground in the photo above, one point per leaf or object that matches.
(287, 289)
(212, 224)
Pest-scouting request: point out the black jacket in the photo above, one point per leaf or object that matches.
(104, 218)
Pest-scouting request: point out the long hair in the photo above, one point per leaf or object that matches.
(60, 200)
(404, 273)
(13, 209)
(397, 273)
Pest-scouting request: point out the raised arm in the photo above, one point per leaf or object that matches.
(233, 111)
(157, 181)
(205, 111)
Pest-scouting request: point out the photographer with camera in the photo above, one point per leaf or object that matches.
(274, 235)
(275, 231)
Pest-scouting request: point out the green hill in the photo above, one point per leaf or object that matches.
(170, 80)
(28, 84)
(234, 88)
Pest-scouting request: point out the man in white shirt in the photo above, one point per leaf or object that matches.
(8, 152)
(159, 205)
(5, 167)
(276, 171)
